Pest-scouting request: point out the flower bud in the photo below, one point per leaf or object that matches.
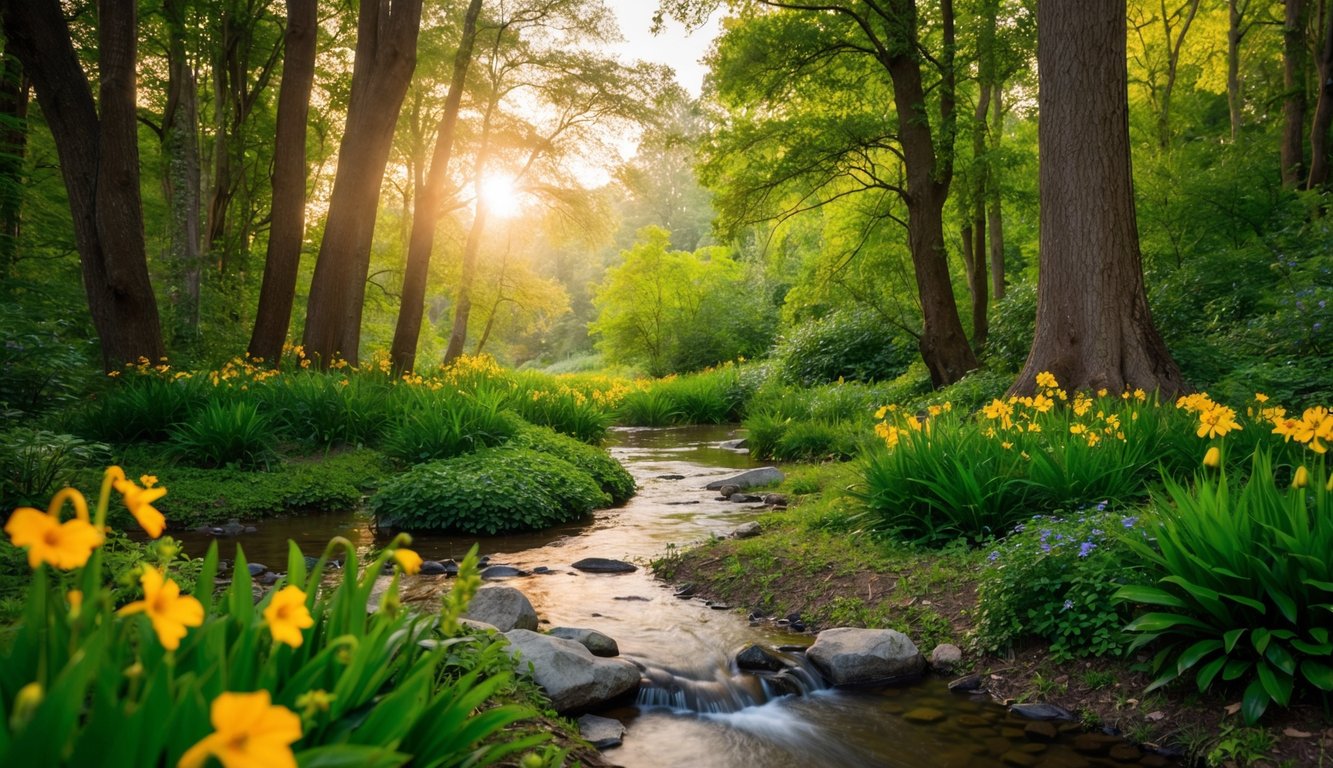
(1301, 478)
(27, 701)
(1213, 458)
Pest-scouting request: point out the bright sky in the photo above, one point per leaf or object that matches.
(675, 46)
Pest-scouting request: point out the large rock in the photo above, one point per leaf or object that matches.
(598, 643)
(749, 479)
(847, 656)
(601, 732)
(946, 658)
(503, 607)
(572, 677)
(604, 565)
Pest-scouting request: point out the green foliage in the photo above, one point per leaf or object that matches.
(444, 423)
(225, 434)
(1012, 322)
(143, 406)
(779, 439)
(1240, 576)
(715, 396)
(851, 345)
(35, 463)
(611, 477)
(651, 407)
(44, 363)
(321, 410)
(491, 491)
(562, 408)
(1053, 578)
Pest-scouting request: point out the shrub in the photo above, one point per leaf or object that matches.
(34, 463)
(225, 434)
(44, 362)
(715, 396)
(649, 408)
(145, 406)
(440, 424)
(1241, 573)
(1053, 578)
(496, 490)
(564, 409)
(613, 478)
(848, 344)
(324, 410)
(1012, 322)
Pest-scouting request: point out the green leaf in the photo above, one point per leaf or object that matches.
(1277, 685)
(351, 756)
(1318, 673)
(1230, 638)
(1147, 596)
(1157, 622)
(1196, 652)
(1208, 672)
(1254, 703)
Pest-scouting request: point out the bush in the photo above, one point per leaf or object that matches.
(613, 478)
(35, 463)
(715, 396)
(1241, 575)
(440, 424)
(1013, 320)
(145, 406)
(323, 410)
(492, 491)
(542, 401)
(225, 434)
(848, 344)
(1053, 578)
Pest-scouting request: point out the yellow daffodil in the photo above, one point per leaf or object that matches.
(169, 612)
(408, 560)
(1260, 397)
(1213, 458)
(1216, 421)
(1047, 379)
(248, 730)
(64, 545)
(286, 615)
(140, 501)
(1315, 429)
(883, 409)
(1301, 478)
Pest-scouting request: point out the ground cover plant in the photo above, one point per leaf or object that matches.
(307, 674)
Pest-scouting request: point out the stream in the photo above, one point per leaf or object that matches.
(706, 715)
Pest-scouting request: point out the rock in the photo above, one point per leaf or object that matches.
(572, 677)
(775, 499)
(504, 607)
(746, 531)
(542, 569)
(1094, 743)
(433, 568)
(945, 658)
(967, 684)
(749, 479)
(670, 477)
(848, 656)
(1041, 730)
(681, 503)
(744, 498)
(596, 642)
(450, 567)
(761, 659)
(601, 732)
(268, 578)
(478, 626)
(256, 568)
(605, 565)
(1019, 759)
(923, 715)
(232, 527)
(972, 721)
(735, 445)
(633, 598)
(1041, 712)
(726, 490)
(686, 591)
(501, 572)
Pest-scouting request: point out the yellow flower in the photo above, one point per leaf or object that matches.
(1260, 397)
(1301, 478)
(64, 545)
(1216, 421)
(1213, 458)
(169, 612)
(140, 501)
(286, 615)
(1102, 392)
(1082, 403)
(883, 409)
(1042, 404)
(1140, 395)
(408, 560)
(1006, 445)
(1047, 379)
(248, 730)
(1077, 429)
(1314, 429)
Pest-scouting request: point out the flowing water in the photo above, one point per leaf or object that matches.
(698, 710)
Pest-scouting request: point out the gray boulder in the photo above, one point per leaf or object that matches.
(746, 531)
(604, 565)
(502, 607)
(749, 479)
(601, 732)
(572, 677)
(735, 445)
(847, 656)
(598, 643)
(946, 658)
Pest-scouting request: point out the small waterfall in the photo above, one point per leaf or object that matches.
(728, 689)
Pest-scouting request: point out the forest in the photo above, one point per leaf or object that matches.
(1033, 297)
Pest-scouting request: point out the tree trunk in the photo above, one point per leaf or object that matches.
(943, 344)
(1323, 111)
(287, 229)
(1293, 104)
(180, 148)
(995, 213)
(463, 298)
(426, 215)
(1094, 329)
(99, 161)
(1172, 70)
(976, 274)
(385, 58)
(1235, 35)
(14, 90)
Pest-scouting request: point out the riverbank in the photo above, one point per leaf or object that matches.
(812, 567)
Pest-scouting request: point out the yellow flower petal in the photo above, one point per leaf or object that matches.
(408, 560)
(64, 545)
(169, 612)
(286, 615)
(248, 731)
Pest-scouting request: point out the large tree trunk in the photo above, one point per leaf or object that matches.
(976, 243)
(1235, 35)
(468, 275)
(287, 230)
(943, 344)
(180, 147)
(385, 57)
(1292, 150)
(99, 160)
(14, 90)
(1094, 329)
(994, 212)
(426, 215)
(1323, 111)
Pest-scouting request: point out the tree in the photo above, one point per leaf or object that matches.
(273, 317)
(1094, 329)
(1294, 55)
(15, 92)
(99, 161)
(385, 58)
(180, 178)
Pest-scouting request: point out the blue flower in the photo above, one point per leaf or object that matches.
(1101, 506)
(1129, 522)
(1085, 548)
(994, 555)
(1068, 604)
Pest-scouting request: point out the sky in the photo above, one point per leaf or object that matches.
(675, 46)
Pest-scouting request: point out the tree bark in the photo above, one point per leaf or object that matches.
(385, 57)
(287, 230)
(1235, 35)
(995, 212)
(1094, 329)
(180, 148)
(1323, 111)
(1292, 149)
(974, 241)
(14, 97)
(99, 161)
(463, 297)
(426, 215)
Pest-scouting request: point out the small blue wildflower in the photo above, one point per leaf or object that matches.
(1045, 547)
(994, 555)
(1068, 605)
(1098, 532)
(1129, 522)
(1101, 506)
(1085, 548)
(1018, 528)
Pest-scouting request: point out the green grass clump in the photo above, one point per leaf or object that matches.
(439, 424)
(225, 434)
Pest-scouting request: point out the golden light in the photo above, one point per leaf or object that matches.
(501, 195)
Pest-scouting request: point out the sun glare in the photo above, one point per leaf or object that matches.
(501, 196)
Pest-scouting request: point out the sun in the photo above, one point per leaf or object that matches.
(501, 195)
